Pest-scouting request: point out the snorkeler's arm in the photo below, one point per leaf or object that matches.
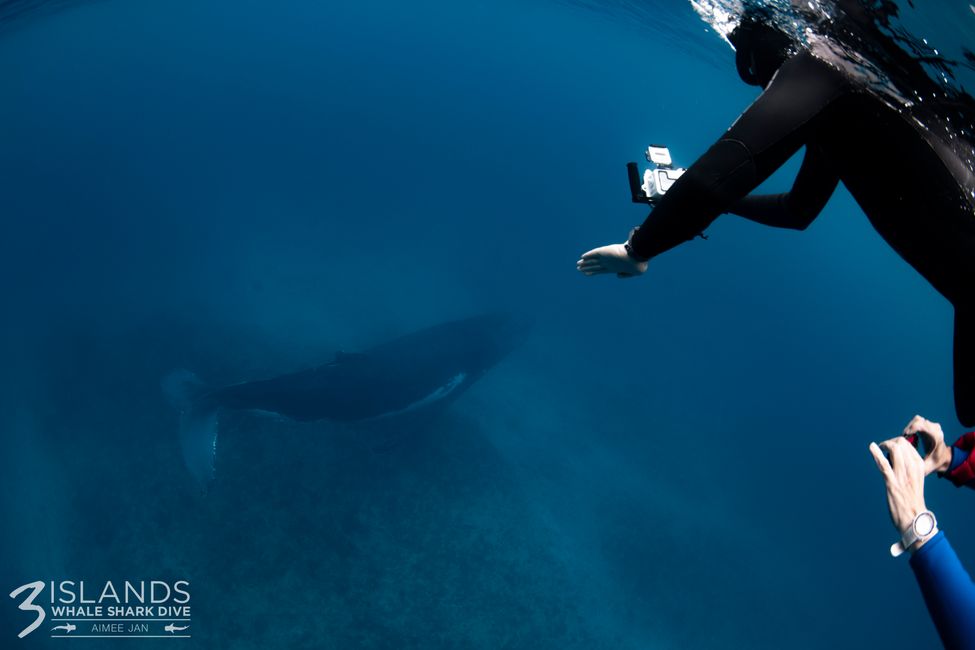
(948, 591)
(766, 135)
(796, 209)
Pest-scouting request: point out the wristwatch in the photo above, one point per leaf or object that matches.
(924, 525)
(629, 248)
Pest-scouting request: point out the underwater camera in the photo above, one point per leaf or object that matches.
(656, 180)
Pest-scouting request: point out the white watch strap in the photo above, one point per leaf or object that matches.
(897, 548)
(910, 535)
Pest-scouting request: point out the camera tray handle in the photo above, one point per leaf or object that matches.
(636, 184)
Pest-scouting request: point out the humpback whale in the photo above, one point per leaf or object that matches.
(414, 373)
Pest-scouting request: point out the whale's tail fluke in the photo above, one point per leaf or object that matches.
(197, 422)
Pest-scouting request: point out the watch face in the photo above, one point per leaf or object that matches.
(924, 524)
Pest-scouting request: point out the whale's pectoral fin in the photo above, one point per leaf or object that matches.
(198, 441)
(197, 423)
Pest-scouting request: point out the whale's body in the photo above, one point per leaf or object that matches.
(409, 374)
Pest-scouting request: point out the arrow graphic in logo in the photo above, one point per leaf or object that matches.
(68, 629)
(172, 628)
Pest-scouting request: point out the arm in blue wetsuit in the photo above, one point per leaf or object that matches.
(948, 592)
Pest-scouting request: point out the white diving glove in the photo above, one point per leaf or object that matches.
(611, 259)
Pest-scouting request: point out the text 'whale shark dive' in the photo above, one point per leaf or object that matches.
(410, 374)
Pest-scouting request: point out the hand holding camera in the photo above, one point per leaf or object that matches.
(904, 469)
(937, 455)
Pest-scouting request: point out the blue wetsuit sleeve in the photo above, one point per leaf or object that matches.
(948, 592)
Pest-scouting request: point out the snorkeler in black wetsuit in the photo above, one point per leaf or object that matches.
(850, 135)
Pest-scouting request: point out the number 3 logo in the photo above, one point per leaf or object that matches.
(29, 606)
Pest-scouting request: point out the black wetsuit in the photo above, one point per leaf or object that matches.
(916, 192)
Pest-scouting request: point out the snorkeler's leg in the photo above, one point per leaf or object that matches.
(964, 361)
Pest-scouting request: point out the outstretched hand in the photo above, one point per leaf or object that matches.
(611, 259)
(938, 455)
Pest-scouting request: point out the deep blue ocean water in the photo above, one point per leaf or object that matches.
(244, 188)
